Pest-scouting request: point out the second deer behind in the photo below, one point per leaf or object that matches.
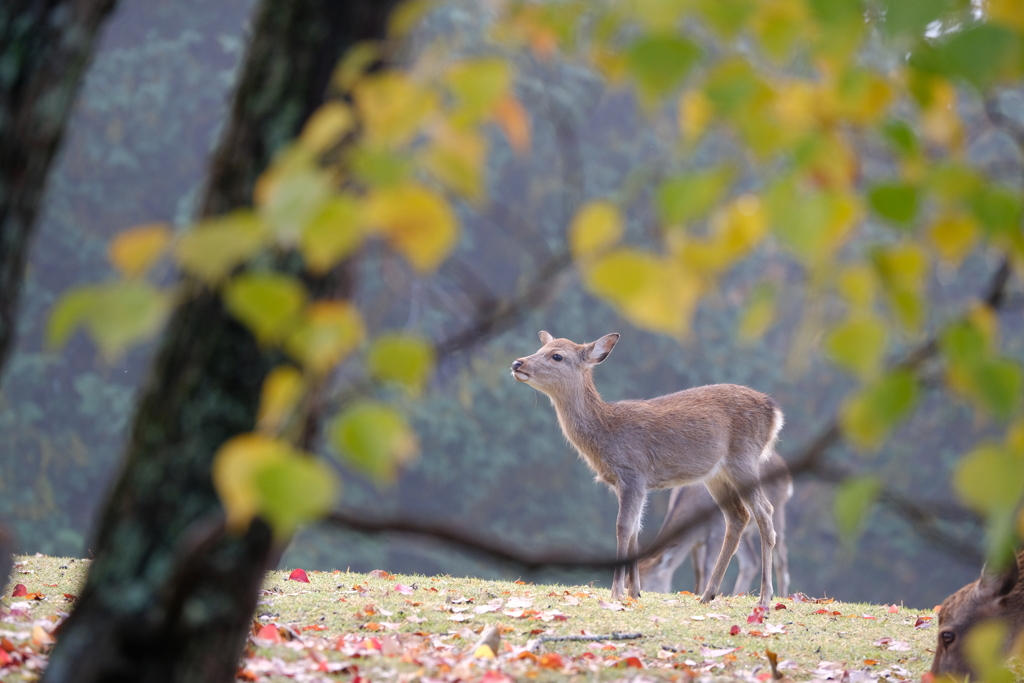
(717, 434)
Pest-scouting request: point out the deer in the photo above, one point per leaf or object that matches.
(688, 515)
(991, 596)
(718, 434)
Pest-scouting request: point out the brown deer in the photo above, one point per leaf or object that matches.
(718, 434)
(999, 596)
(693, 510)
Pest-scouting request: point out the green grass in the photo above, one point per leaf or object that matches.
(354, 624)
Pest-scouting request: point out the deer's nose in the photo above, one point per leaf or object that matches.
(516, 365)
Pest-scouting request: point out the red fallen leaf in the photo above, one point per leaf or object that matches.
(270, 632)
(69, 597)
(360, 679)
(50, 585)
(821, 611)
(6, 645)
(893, 609)
(551, 660)
(403, 589)
(536, 631)
(922, 622)
(298, 575)
(779, 606)
(314, 627)
(372, 644)
(763, 676)
(634, 662)
(837, 614)
(756, 634)
(381, 574)
(493, 676)
(734, 630)
(927, 677)
(20, 591)
(757, 616)
(5, 658)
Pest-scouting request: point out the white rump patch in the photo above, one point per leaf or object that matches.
(777, 421)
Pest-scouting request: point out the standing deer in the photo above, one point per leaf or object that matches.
(998, 596)
(718, 434)
(691, 508)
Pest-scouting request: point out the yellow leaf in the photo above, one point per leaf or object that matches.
(332, 235)
(902, 270)
(328, 332)
(417, 223)
(41, 637)
(596, 227)
(375, 439)
(282, 391)
(740, 225)
(695, 113)
(1006, 12)
(402, 358)
(797, 105)
(407, 15)
(213, 248)
(392, 107)
(954, 237)
(858, 345)
(513, 120)
(269, 304)
(990, 479)
(359, 58)
(651, 291)
(857, 284)
(759, 313)
(256, 475)
(939, 119)
(484, 652)
(116, 315)
(327, 126)
(133, 251)
(456, 157)
(868, 416)
(779, 24)
(478, 86)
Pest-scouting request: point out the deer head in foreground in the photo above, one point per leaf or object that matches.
(694, 519)
(718, 434)
(999, 596)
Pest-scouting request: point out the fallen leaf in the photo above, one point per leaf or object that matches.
(41, 637)
(298, 575)
(712, 653)
(871, 662)
(515, 603)
(380, 574)
(19, 591)
(403, 589)
(923, 622)
(779, 606)
(734, 630)
(496, 677)
(634, 662)
(697, 617)
(484, 652)
(893, 609)
(757, 616)
(613, 606)
(270, 632)
(551, 660)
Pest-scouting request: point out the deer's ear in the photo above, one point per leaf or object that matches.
(545, 336)
(597, 351)
(998, 585)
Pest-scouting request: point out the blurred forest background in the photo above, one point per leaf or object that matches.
(492, 458)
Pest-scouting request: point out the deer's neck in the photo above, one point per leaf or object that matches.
(583, 417)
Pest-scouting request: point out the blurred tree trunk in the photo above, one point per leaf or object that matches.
(44, 49)
(169, 596)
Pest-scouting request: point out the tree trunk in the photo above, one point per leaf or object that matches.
(169, 596)
(44, 49)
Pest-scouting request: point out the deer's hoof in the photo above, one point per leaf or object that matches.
(706, 598)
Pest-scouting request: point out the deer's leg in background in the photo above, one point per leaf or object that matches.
(781, 551)
(748, 561)
(736, 518)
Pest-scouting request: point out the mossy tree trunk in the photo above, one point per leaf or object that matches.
(44, 49)
(169, 597)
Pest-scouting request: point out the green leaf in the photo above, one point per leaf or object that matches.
(402, 358)
(332, 235)
(858, 345)
(896, 202)
(213, 248)
(660, 62)
(116, 315)
(294, 490)
(734, 88)
(902, 270)
(727, 17)
(978, 55)
(374, 439)
(999, 210)
(912, 16)
(759, 313)
(380, 167)
(326, 334)
(269, 304)
(684, 198)
(851, 505)
(990, 479)
(478, 85)
(291, 194)
(985, 646)
(902, 137)
(998, 384)
(869, 416)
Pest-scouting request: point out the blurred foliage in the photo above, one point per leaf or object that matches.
(769, 192)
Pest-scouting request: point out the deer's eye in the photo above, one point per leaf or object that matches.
(947, 638)
(557, 357)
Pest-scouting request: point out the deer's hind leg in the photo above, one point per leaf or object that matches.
(736, 518)
(762, 511)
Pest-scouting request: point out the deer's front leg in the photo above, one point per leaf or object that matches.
(632, 496)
